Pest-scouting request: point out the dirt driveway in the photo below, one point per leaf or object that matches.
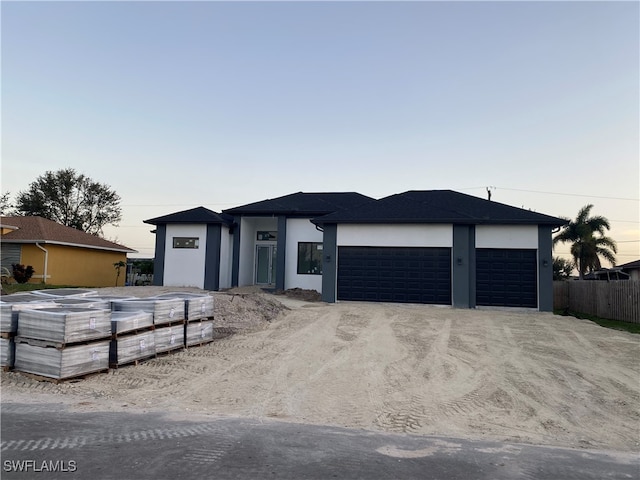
(500, 375)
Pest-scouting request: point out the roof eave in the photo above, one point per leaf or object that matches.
(475, 221)
(70, 244)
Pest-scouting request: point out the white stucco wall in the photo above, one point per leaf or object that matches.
(249, 226)
(401, 235)
(507, 236)
(184, 267)
(300, 230)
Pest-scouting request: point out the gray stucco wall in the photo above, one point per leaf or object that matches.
(329, 264)
(235, 259)
(212, 258)
(464, 266)
(158, 260)
(545, 269)
(281, 253)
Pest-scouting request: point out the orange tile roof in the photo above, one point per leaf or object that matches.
(41, 230)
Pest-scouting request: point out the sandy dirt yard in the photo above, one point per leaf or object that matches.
(479, 374)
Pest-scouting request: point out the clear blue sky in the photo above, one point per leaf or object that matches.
(176, 104)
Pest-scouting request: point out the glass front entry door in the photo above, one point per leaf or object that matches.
(265, 264)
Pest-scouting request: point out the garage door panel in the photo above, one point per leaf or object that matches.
(506, 277)
(395, 274)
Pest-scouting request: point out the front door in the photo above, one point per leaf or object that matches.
(265, 264)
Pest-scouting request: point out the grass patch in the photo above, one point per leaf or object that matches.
(603, 322)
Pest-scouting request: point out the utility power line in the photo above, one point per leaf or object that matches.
(554, 193)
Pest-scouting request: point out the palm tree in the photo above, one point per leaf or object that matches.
(587, 247)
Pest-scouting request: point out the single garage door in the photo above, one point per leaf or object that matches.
(395, 274)
(506, 277)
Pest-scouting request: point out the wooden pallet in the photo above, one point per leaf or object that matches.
(199, 344)
(137, 361)
(36, 342)
(175, 323)
(74, 378)
(201, 319)
(129, 333)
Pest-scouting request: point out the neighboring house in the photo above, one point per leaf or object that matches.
(437, 247)
(632, 269)
(60, 255)
(607, 274)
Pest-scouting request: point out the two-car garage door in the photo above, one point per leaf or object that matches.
(504, 277)
(395, 274)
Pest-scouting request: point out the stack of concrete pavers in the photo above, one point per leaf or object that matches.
(63, 342)
(132, 337)
(199, 308)
(168, 320)
(10, 307)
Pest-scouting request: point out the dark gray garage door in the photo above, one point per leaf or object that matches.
(506, 277)
(395, 274)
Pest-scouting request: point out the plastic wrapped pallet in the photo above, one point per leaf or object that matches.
(84, 302)
(61, 363)
(129, 348)
(11, 305)
(164, 310)
(111, 298)
(123, 322)
(197, 305)
(7, 352)
(169, 338)
(198, 332)
(64, 292)
(64, 325)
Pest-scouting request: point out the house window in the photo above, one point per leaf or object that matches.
(186, 242)
(309, 258)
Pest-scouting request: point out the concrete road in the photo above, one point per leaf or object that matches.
(50, 441)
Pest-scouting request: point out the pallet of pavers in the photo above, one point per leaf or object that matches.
(111, 299)
(169, 339)
(64, 292)
(11, 305)
(197, 305)
(131, 349)
(61, 342)
(52, 363)
(59, 326)
(197, 333)
(132, 338)
(83, 302)
(125, 323)
(165, 311)
(7, 353)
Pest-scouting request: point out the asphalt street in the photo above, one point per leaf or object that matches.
(53, 442)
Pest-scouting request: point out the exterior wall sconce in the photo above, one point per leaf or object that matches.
(545, 263)
(459, 261)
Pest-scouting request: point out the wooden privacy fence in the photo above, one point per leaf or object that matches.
(615, 300)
